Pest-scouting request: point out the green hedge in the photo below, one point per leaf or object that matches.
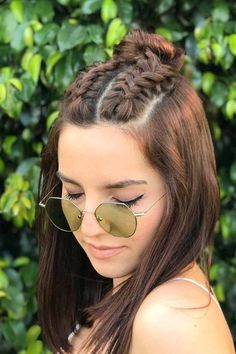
(43, 44)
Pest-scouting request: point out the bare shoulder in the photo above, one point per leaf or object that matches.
(164, 325)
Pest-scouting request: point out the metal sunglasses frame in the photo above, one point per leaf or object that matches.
(43, 205)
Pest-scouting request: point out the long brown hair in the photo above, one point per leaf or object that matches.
(141, 90)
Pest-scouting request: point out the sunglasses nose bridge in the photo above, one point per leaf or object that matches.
(90, 225)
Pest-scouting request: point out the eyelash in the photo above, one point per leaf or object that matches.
(129, 203)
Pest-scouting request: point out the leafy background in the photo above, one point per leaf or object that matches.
(43, 44)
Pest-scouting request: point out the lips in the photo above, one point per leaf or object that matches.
(103, 247)
(104, 251)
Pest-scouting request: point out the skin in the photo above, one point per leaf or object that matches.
(82, 153)
(103, 154)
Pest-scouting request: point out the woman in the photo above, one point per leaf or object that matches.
(131, 196)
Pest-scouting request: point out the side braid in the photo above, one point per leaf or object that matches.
(83, 93)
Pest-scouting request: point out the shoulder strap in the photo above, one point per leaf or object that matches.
(201, 286)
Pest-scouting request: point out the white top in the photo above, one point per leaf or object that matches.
(72, 334)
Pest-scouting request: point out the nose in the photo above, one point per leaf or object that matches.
(90, 225)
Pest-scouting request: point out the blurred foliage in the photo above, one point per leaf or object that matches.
(43, 44)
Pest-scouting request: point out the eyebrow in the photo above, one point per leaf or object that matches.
(119, 184)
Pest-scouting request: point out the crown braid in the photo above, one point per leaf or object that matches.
(143, 68)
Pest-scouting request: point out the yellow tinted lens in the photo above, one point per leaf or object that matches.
(116, 219)
(63, 214)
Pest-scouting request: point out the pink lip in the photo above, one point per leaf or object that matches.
(104, 251)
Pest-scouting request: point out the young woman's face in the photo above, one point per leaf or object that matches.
(89, 160)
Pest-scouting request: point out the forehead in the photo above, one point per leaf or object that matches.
(100, 152)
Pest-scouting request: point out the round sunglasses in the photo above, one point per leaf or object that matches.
(116, 219)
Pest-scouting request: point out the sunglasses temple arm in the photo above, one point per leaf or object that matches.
(144, 212)
(41, 203)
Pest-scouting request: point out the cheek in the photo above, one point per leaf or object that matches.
(147, 228)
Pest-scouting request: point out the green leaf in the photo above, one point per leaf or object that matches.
(3, 92)
(7, 144)
(64, 73)
(219, 291)
(93, 54)
(37, 147)
(221, 12)
(46, 34)
(14, 279)
(108, 10)
(34, 67)
(64, 2)
(33, 334)
(6, 73)
(12, 105)
(125, 10)
(28, 37)
(218, 51)
(25, 201)
(27, 165)
(35, 348)
(232, 172)
(232, 91)
(17, 41)
(14, 332)
(218, 29)
(15, 181)
(44, 9)
(232, 43)
(90, 6)
(216, 131)
(214, 272)
(26, 59)
(164, 32)
(3, 280)
(8, 26)
(36, 25)
(208, 79)
(29, 274)
(95, 34)
(7, 203)
(51, 118)
(115, 32)
(2, 294)
(228, 225)
(227, 60)
(70, 36)
(163, 6)
(2, 165)
(28, 87)
(51, 61)
(230, 108)
(15, 210)
(27, 134)
(21, 261)
(17, 8)
(16, 83)
(219, 94)
(4, 262)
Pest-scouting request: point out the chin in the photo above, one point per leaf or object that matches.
(110, 271)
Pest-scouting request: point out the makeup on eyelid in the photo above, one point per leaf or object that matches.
(129, 202)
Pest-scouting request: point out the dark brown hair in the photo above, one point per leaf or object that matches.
(141, 90)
